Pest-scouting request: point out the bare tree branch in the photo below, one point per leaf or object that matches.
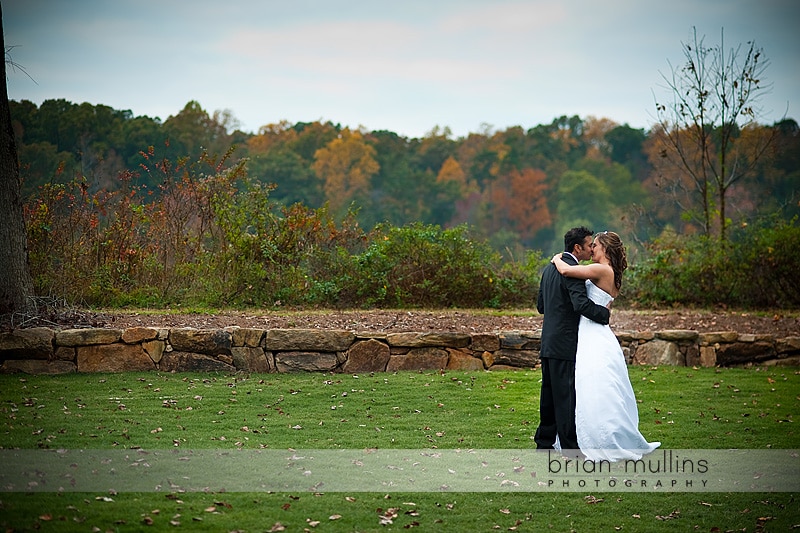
(710, 130)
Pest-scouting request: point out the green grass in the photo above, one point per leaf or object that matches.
(422, 512)
(681, 407)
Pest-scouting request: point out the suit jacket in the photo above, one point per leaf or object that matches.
(563, 300)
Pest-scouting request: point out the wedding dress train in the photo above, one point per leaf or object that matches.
(606, 414)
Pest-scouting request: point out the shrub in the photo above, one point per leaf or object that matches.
(518, 281)
(82, 245)
(753, 269)
(212, 236)
(767, 262)
(425, 266)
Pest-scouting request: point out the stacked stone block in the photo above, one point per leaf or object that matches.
(228, 350)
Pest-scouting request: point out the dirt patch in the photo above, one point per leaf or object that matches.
(779, 324)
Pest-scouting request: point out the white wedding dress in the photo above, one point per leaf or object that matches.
(606, 415)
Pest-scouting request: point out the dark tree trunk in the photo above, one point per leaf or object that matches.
(16, 286)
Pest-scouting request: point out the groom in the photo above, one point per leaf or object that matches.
(563, 300)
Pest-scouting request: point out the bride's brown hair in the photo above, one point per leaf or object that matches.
(615, 252)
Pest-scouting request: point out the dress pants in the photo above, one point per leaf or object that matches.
(557, 405)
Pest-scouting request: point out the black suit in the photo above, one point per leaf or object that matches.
(562, 300)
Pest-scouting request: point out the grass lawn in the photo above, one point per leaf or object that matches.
(684, 408)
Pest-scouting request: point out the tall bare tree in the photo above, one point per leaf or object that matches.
(16, 286)
(714, 96)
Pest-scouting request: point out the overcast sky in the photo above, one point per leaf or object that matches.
(400, 65)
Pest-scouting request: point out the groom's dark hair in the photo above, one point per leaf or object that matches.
(576, 236)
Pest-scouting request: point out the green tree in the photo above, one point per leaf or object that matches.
(433, 149)
(53, 128)
(391, 193)
(583, 199)
(781, 180)
(311, 136)
(193, 131)
(292, 176)
(136, 134)
(41, 164)
(626, 147)
(617, 178)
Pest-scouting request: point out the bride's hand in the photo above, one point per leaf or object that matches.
(557, 256)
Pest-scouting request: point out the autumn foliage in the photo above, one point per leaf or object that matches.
(212, 236)
(127, 210)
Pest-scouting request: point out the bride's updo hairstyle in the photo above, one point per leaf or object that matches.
(615, 252)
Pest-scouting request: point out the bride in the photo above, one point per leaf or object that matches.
(606, 415)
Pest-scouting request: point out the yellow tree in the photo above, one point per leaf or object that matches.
(270, 136)
(346, 165)
(451, 172)
(594, 134)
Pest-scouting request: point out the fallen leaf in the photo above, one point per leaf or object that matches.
(674, 514)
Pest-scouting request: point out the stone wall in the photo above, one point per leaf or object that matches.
(47, 351)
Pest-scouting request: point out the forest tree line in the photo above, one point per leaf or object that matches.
(517, 188)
